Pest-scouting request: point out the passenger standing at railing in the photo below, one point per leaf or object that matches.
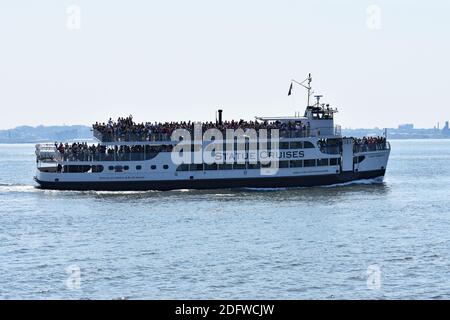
(61, 148)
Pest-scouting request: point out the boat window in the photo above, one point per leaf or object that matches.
(76, 169)
(239, 166)
(296, 163)
(111, 168)
(358, 159)
(225, 166)
(153, 167)
(126, 168)
(97, 169)
(47, 169)
(283, 164)
(183, 167)
(296, 145)
(196, 167)
(308, 145)
(138, 167)
(333, 161)
(211, 166)
(309, 163)
(165, 166)
(118, 168)
(254, 165)
(284, 145)
(322, 162)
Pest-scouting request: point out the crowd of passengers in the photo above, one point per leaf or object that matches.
(84, 152)
(359, 144)
(369, 144)
(125, 129)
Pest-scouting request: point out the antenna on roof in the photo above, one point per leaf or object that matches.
(308, 87)
(318, 99)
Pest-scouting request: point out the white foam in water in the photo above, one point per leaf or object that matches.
(118, 192)
(343, 184)
(270, 189)
(356, 182)
(17, 188)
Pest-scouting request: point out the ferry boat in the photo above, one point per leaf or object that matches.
(269, 152)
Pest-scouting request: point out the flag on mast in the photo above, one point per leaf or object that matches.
(290, 90)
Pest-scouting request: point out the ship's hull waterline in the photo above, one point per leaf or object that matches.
(262, 182)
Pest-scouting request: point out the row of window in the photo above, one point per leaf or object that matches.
(281, 145)
(73, 169)
(204, 166)
(281, 164)
(138, 167)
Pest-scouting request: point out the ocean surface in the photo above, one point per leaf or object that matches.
(365, 240)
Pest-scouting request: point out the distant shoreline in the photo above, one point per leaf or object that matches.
(39, 134)
(90, 140)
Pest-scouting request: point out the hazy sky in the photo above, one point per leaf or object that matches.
(181, 60)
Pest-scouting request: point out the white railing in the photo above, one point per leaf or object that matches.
(47, 152)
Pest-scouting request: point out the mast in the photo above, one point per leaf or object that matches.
(308, 87)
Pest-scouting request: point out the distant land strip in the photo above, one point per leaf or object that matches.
(29, 134)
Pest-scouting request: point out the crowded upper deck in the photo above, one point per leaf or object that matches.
(126, 130)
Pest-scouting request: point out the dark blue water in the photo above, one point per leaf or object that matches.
(364, 240)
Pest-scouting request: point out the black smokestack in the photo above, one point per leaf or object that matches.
(220, 116)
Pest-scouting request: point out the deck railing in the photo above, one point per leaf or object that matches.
(368, 147)
(164, 137)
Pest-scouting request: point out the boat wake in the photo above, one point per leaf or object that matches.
(24, 188)
(373, 181)
(7, 187)
(378, 180)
